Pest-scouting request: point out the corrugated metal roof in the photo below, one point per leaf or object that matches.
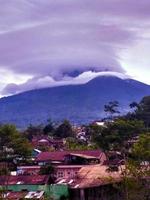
(15, 195)
(24, 180)
(96, 175)
(24, 195)
(34, 195)
(60, 155)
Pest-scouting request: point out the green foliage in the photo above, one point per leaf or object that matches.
(142, 110)
(126, 129)
(12, 142)
(22, 147)
(141, 149)
(64, 130)
(47, 170)
(115, 134)
(136, 175)
(99, 136)
(49, 128)
(74, 144)
(112, 108)
(7, 134)
(32, 131)
(135, 188)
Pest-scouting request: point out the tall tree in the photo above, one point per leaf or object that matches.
(112, 108)
(49, 128)
(136, 175)
(115, 135)
(141, 149)
(32, 131)
(64, 130)
(12, 142)
(143, 110)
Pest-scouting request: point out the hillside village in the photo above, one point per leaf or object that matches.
(79, 162)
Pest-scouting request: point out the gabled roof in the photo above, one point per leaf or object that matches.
(60, 155)
(96, 175)
(24, 180)
(24, 195)
(51, 156)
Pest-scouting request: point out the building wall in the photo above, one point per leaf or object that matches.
(66, 172)
(107, 192)
(29, 170)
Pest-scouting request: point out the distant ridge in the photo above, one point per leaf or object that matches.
(78, 103)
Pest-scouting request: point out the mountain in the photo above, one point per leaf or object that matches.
(78, 103)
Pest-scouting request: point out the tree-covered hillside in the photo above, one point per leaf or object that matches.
(78, 103)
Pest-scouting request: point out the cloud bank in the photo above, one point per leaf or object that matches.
(47, 81)
(51, 41)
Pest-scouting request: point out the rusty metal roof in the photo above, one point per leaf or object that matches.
(24, 180)
(60, 155)
(95, 175)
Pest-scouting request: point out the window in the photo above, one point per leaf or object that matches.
(60, 174)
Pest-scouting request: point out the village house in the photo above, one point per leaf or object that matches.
(47, 142)
(79, 157)
(32, 186)
(95, 183)
(60, 171)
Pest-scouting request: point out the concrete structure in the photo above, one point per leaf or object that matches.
(67, 171)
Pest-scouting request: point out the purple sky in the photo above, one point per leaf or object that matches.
(49, 42)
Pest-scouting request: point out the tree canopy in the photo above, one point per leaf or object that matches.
(141, 149)
(64, 130)
(11, 141)
(114, 135)
(142, 110)
(136, 175)
(112, 108)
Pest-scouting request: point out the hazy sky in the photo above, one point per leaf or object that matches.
(54, 42)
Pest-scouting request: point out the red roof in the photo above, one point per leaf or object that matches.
(16, 195)
(24, 180)
(60, 155)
